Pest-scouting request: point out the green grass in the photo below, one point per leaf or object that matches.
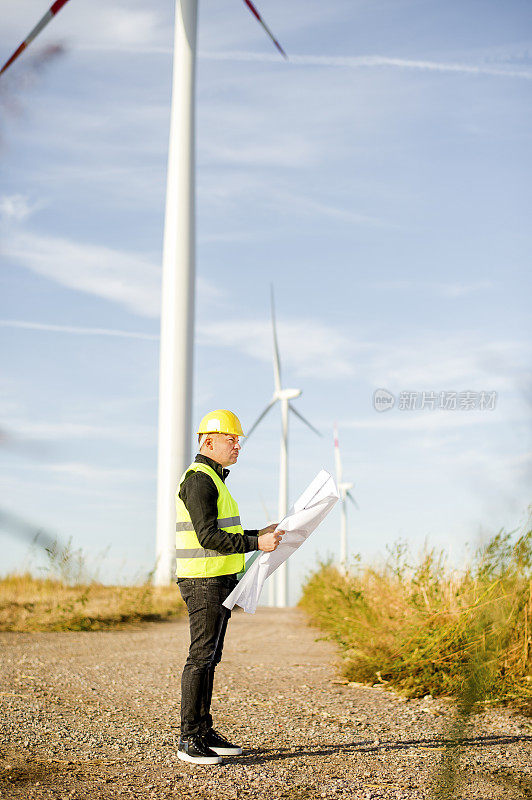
(423, 629)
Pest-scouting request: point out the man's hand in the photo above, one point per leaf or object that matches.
(269, 539)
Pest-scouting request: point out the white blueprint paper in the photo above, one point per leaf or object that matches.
(308, 511)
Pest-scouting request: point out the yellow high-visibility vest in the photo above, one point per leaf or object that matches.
(193, 560)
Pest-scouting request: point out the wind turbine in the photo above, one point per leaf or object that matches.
(282, 396)
(178, 279)
(344, 488)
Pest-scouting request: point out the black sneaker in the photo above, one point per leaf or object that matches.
(196, 751)
(220, 745)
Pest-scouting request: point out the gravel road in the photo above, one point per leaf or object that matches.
(96, 715)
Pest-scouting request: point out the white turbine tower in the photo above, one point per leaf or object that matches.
(282, 396)
(345, 493)
(178, 281)
(177, 310)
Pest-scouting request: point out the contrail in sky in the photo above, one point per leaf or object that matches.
(358, 62)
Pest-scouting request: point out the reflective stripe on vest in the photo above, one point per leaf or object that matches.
(227, 522)
(197, 553)
(192, 560)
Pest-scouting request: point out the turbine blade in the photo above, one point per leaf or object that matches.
(302, 418)
(348, 494)
(266, 510)
(27, 530)
(43, 22)
(337, 460)
(268, 31)
(276, 359)
(270, 404)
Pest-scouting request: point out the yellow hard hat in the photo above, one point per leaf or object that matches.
(221, 421)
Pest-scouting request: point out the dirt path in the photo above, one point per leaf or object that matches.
(96, 715)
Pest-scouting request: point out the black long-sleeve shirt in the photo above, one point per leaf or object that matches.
(200, 496)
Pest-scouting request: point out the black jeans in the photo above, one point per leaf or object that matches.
(208, 622)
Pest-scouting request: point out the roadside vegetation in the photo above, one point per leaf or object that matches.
(421, 628)
(46, 604)
(68, 599)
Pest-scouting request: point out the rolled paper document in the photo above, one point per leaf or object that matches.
(309, 510)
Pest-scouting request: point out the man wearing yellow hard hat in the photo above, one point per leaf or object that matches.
(210, 547)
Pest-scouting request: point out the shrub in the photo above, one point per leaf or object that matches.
(425, 629)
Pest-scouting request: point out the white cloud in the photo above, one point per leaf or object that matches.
(75, 330)
(211, 188)
(515, 54)
(460, 363)
(286, 152)
(16, 207)
(122, 27)
(234, 24)
(455, 289)
(303, 344)
(241, 236)
(127, 278)
(102, 418)
(237, 186)
(310, 348)
(98, 25)
(306, 205)
(63, 430)
(92, 473)
(426, 420)
(130, 279)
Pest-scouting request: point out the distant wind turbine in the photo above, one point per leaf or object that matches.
(178, 275)
(283, 396)
(344, 488)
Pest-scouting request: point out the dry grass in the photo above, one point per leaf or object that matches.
(425, 630)
(53, 604)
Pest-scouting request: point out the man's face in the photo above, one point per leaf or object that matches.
(223, 448)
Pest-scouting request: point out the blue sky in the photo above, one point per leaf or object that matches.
(380, 180)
